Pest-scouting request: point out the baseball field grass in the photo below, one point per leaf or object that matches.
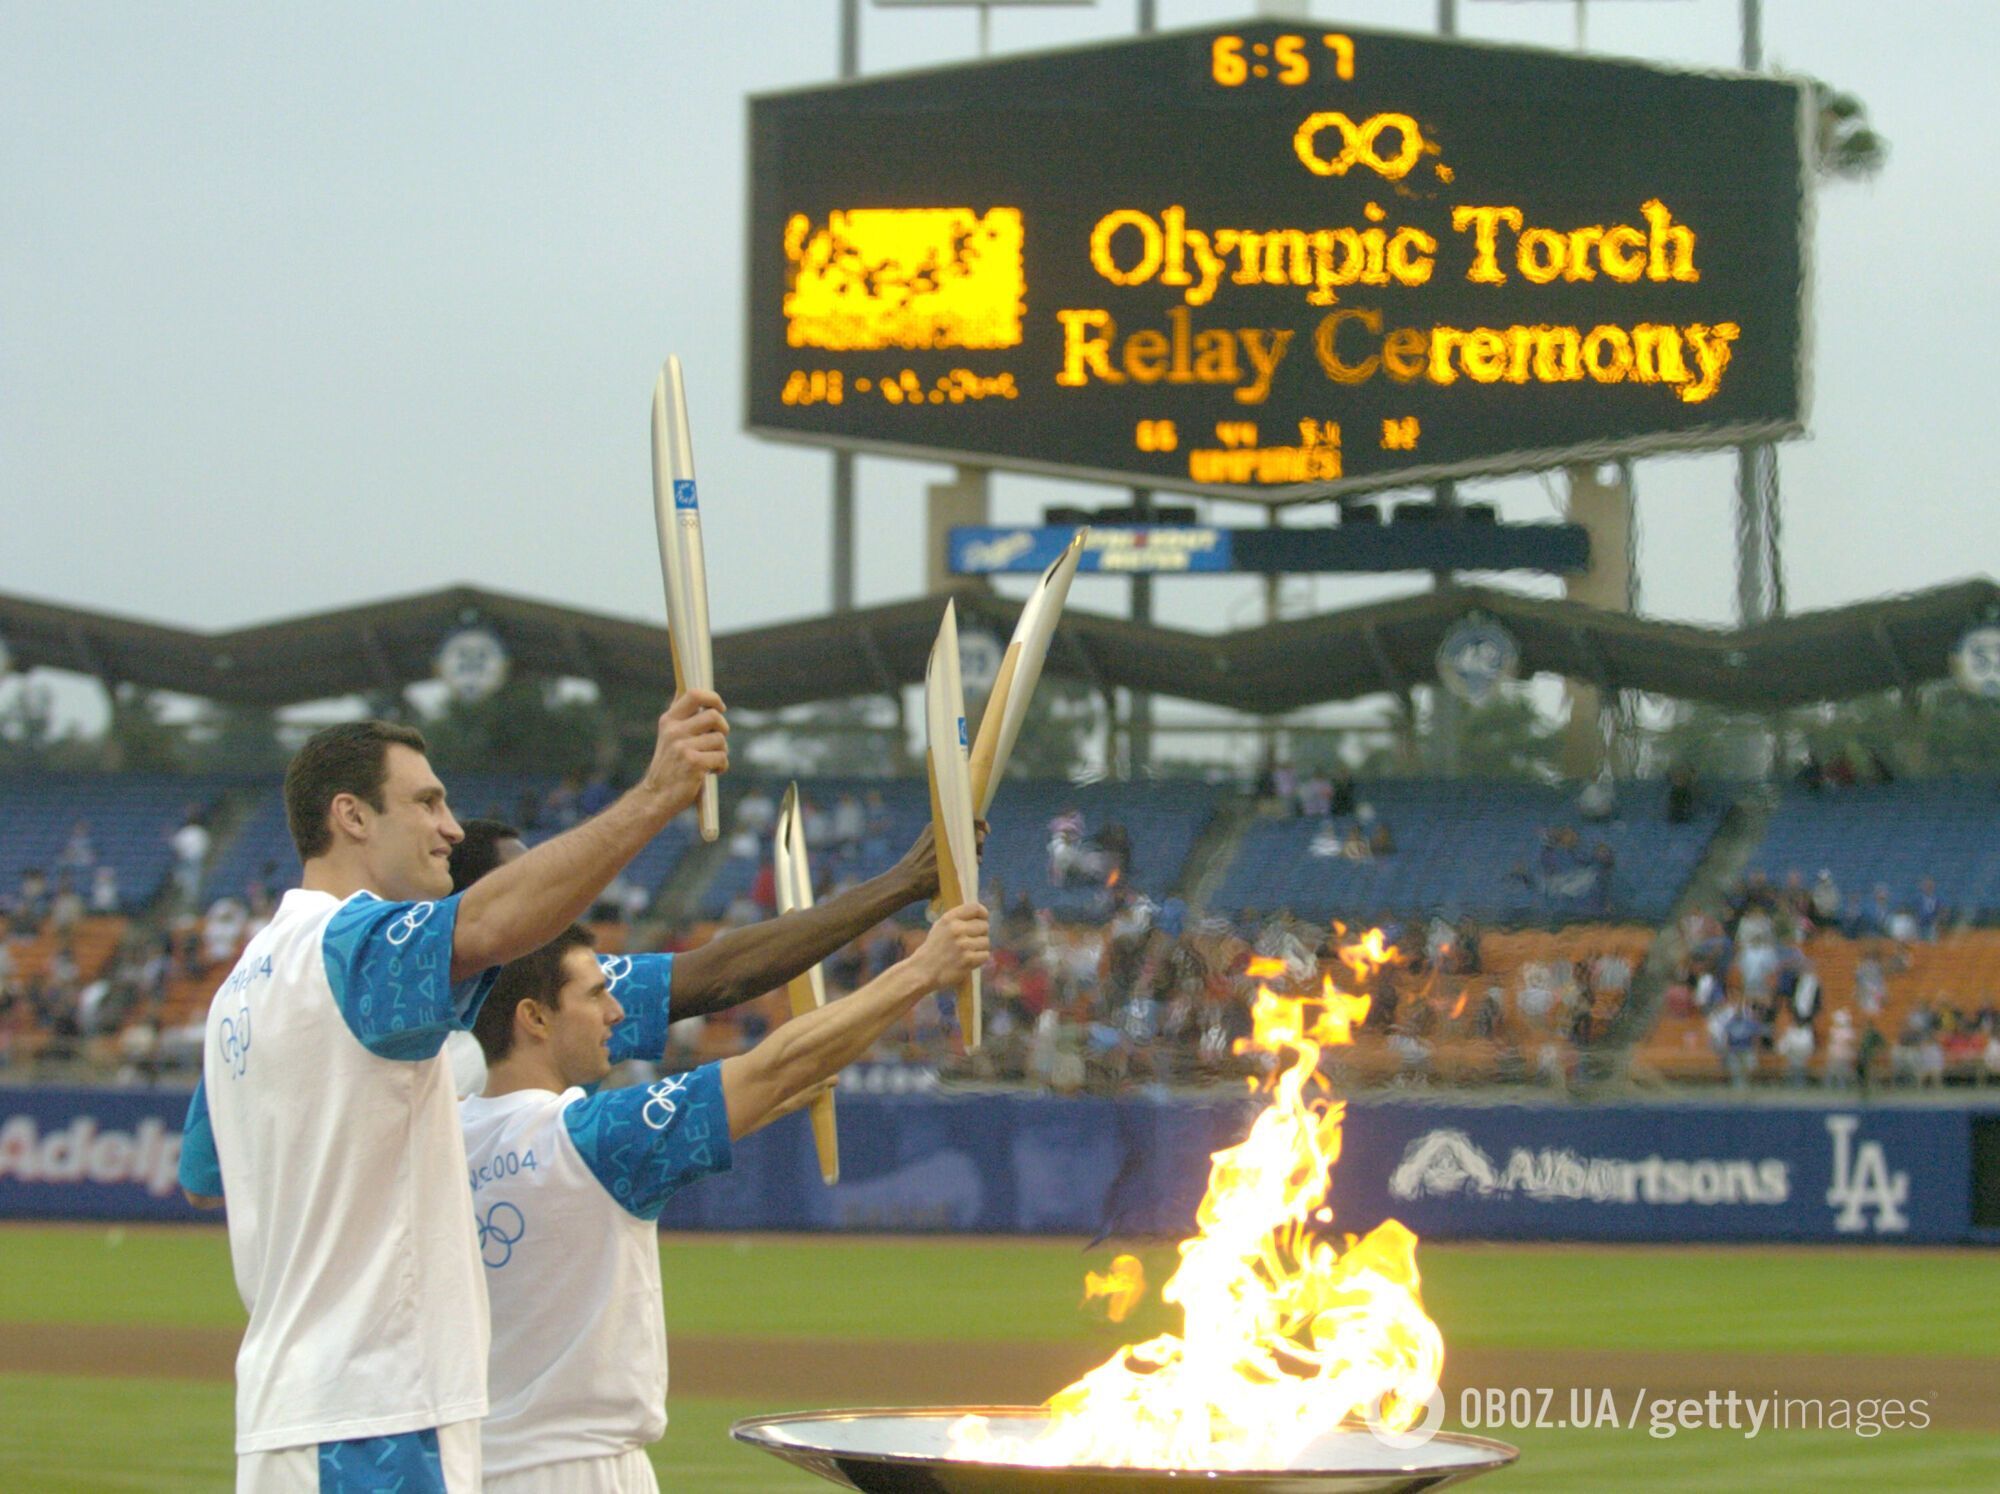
(115, 1349)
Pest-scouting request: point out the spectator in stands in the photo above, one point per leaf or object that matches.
(1756, 954)
(1603, 878)
(31, 903)
(1380, 841)
(1825, 900)
(1599, 799)
(104, 897)
(1878, 917)
(65, 908)
(1871, 986)
(1795, 1048)
(1467, 955)
(222, 930)
(850, 823)
(1843, 1050)
(1345, 796)
(78, 855)
(1794, 917)
(1073, 860)
(1868, 1062)
(1742, 1034)
(1906, 1063)
(1811, 774)
(1354, 845)
(1930, 912)
(191, 843)
(1680, 795)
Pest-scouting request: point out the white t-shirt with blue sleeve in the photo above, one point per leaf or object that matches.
(567, 1189)
(325, 1116)
(643, 984)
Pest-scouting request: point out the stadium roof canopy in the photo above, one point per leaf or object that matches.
(1266, 670)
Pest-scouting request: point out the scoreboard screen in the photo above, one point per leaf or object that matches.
(1278, 262)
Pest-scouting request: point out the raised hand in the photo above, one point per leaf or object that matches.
(693, 742)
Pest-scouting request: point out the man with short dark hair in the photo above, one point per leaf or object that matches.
(568, 1188)
(730, 969)
(326, 1114)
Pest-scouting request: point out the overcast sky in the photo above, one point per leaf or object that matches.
(306, 305)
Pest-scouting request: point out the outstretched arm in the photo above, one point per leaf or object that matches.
(757, 1086)
(744, 963)
(519, 907)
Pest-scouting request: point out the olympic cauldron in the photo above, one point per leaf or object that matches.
(908, 1451)
(1302, 1367)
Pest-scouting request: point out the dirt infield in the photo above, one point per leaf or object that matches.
(1962, 1394)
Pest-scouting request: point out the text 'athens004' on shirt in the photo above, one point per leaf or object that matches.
(326, 1116)
(568, 1190)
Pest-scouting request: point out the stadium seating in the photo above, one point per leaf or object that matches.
(1162, 821)
(262, 840)
(130, 817)
(1465, 846)
(1896, 834)
(1960, 970)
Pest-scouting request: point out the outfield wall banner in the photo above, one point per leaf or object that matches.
(92, 1154)
(1037, 1164)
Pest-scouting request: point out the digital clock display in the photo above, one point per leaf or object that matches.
(1279, 262)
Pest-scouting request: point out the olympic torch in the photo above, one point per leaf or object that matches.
(807, 989)
(951, 798)
(1020, 671)
(683, 568)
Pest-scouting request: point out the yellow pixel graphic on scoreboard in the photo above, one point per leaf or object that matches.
(905, 278)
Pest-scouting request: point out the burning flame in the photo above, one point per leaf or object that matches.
(1285, 1335)
(1121, 1287)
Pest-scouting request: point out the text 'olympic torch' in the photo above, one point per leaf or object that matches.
(683, 568)
(951, 798)
(807, 989)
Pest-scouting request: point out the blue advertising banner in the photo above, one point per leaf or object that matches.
(1660, 1172)
(1039, 1164)
(92, 1154)
(1138, 549)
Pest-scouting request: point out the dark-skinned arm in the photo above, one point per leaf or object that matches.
(766, 1082)
(744, 963)
(519, 907)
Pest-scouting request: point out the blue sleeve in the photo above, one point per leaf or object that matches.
(646, 1142)
(201, 1169)
(390, 968)
(642, 985)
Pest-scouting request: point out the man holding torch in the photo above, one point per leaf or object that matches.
(568, 1187)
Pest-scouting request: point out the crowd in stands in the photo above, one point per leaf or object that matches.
(1102, 977)
(1750, 974)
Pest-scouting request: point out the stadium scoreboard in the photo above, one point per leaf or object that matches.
(1279, 262)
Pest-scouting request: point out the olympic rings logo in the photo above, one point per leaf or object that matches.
(615, 968)
(1358, 144)
(661, 1107)
(499, 1232)
(404, 929)
(234, 1041)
